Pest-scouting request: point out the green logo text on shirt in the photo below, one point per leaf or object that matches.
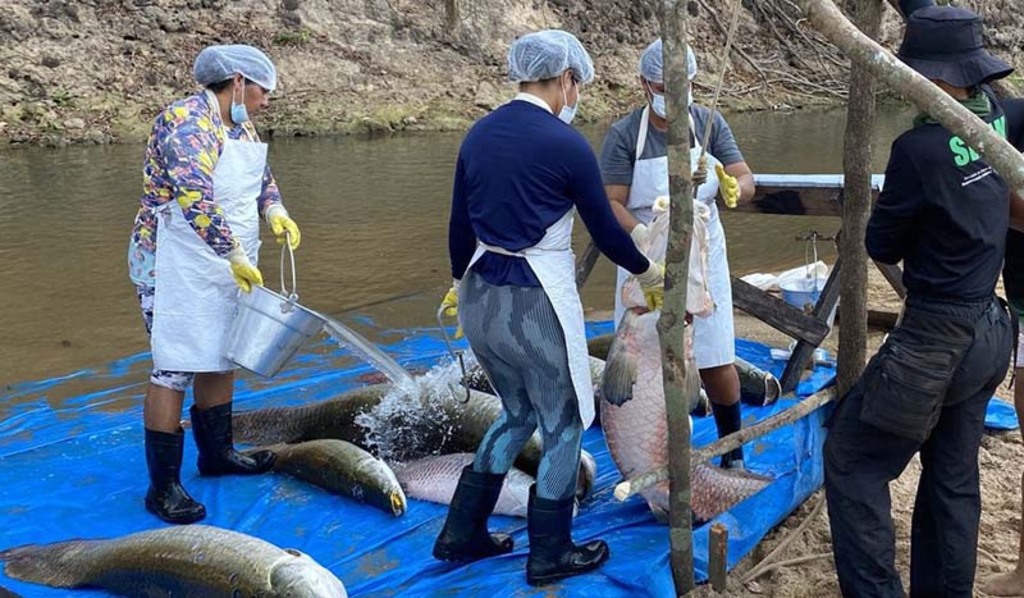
(964, 155)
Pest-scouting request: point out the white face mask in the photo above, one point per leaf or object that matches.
(566, 114)
(658, 101)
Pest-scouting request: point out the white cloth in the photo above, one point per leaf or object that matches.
(714, 338)
(529, 98)
(554, 264)
(196, 295)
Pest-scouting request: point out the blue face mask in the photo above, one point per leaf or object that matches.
(567, 113)
(239, 113)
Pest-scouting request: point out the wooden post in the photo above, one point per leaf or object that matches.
(585, 263)
(803, 353)
(718, 552)
(860, 118)
(672, 323)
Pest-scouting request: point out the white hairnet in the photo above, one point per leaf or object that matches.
(219, 63)
(652, 63)
(547, 54)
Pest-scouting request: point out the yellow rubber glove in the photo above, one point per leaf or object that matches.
(281, 223)
(652, 282)
(450, 303)
(728, 187)
(246, 275)
(450, 307)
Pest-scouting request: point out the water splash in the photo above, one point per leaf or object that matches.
(369, 352)
(413, 421)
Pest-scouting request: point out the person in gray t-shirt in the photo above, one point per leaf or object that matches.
(634, 165)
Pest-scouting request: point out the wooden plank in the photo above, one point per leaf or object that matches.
(637, 484)
(777, 313)
(894, 275)
(794, 202)
(801, 194)
(585, 263)
(718, 544)
(878, 318)
(803, 353)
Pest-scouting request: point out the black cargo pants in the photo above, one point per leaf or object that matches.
(927, 390)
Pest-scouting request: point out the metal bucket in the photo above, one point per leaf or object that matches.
(270, 327)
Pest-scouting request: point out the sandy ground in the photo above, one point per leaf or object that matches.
(1002, 462)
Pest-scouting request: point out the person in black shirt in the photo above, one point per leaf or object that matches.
(944, 213)
(1012, 583)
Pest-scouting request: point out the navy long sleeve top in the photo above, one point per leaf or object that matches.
(944, 212)
(519, 170)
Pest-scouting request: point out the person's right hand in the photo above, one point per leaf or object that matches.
(639, 234)
(450, 306)
(450, 303)
(652, 282)
(246, 275)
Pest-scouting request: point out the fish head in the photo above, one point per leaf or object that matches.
(299, 576)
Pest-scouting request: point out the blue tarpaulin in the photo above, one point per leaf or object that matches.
(77, 470)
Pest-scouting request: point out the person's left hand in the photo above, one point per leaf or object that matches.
(284, 227)
(728, 187)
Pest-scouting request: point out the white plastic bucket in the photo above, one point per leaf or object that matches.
(802, 293)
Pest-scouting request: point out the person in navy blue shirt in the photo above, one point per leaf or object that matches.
(521, 175)
(944, 213)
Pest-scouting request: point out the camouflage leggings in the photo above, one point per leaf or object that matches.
(179, 381)
(515, 335)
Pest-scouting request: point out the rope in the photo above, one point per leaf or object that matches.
(703, 162)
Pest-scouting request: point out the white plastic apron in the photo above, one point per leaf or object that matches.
(714, 336)
(196, 296)
(554, 264)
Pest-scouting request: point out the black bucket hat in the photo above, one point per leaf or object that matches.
(945, 43)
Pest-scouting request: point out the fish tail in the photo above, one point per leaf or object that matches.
(717, 490)
(620, 369)
(54, 565)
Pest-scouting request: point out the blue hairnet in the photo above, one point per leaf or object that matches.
(219, 63)
(547, 54)
(652, 63)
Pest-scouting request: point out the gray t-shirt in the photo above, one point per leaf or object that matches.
(619, 149)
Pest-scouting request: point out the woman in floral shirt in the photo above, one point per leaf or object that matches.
(195, 243)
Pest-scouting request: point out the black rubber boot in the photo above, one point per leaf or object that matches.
(217, 454)
(553, 556)
(166, 498)
(464, 537)
(728, 419)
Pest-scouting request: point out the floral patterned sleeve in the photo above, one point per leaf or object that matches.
(190, 151)
(271, 194)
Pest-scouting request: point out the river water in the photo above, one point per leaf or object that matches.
(373, 214)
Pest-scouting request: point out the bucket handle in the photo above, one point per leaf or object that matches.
(455, 356)
(287, 247)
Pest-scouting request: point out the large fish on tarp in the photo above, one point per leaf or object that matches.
(197, 561)
(389, 423)
(633, 413)
(342, 468)
(434, 479)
